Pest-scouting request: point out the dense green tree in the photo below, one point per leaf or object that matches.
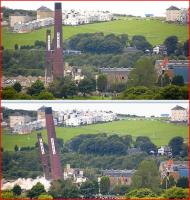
(145, 144)
(36, 190)
(87, 86)
(16, 46)
(17, 190)
(88, 189)
(9, 93)
(141, 193)
(102, 82)
(17, 86)
(141, 43)
(146, 176)
(45, 95)
(171, 44)
(7, 194)
(105, 185)
(186, 48)
(183, 182)
(176, 145)
(63, 88)
(178, 80)
(16, 148)
(143, 74)
(139, 92)
(36, 88)
(176, 193)
(172, 92)
(120, 190)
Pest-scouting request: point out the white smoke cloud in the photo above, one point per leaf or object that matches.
(26, 184)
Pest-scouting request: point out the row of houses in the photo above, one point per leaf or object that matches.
(45, 17)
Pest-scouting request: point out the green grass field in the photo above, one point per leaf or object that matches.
(159, 132)
(155, 31)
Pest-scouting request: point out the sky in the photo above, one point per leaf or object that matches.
(142, 108)
(123, 7)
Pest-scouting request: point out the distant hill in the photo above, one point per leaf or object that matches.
(154, 30)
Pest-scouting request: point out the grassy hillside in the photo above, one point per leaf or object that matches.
(159, 132)
(155, 31)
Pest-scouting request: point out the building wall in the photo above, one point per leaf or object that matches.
(178, 115)
(172, 15)
(18, 18)
(44, 14)
(14, 120)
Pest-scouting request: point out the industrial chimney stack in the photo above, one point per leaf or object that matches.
(56, 172)
(54, 51)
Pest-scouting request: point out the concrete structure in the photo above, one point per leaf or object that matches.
(172, 14)
(18, 18)
(118, 177)
(44, 12)
(17, 119)
(179, 114)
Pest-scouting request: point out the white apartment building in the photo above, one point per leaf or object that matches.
(179, 114)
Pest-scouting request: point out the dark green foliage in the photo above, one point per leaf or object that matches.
(172, 92)
(183, 182)
(102, 82)
(145, 144)
(36, 88)
(120, 190)
(98, 43)
(36, 190)
(147, 176)
(64, 189)
(87, 86)
(17, 86)
(143, 74)
(23, 62)
(176, 145)
(141, 193)
(89, 189)
(186, 48)
(17, 190)
(63, 88)
(99, 144)
(178, 80)
(105, 185)
(45, 95)
(16, 148)
(141, 43)
(176, 193)
(9, 93)
(139, 92)
(171, 44)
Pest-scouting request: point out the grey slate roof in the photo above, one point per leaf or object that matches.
(178, 108)
(43, 8)
(173, 8)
